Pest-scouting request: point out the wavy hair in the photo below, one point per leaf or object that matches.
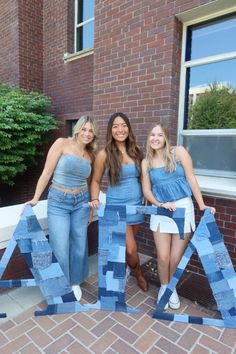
(91, 147)
(114, 156)
(168, 156)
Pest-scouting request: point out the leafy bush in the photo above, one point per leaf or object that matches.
(24, 120)
(215, 109)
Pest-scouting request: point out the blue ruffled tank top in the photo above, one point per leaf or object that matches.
(71, 172)
(169, 186)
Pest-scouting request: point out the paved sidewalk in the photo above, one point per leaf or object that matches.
(112, 332)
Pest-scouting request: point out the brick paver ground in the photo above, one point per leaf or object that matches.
(113, 332)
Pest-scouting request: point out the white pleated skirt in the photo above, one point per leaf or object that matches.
(167, 225)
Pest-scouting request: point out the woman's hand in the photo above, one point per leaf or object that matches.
(204, 207)
(170, 206)
(94, 203)
(31, 202)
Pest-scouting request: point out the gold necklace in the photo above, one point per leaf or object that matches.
(123, 152)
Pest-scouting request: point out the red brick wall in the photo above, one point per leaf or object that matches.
(70, 85)
(21, 43)
(9, 42)
(31, 44)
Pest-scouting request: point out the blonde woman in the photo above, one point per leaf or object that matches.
(69, 161)
(169, 182)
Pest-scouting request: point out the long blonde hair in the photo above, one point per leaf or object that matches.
(91, 147)
(168, 156)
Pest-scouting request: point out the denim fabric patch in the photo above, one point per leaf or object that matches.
(25, 245)
(33, 224)
(41, 260)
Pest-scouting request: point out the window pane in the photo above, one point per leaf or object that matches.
(70, 126)
(85, 10)
(210, 39)
(212, 96)
(223, 72)
(85, 36)
(213, 153)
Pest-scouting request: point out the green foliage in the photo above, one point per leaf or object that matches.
(24, 122)
(215, 109)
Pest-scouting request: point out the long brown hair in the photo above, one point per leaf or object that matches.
(114, 156)
(168, 156)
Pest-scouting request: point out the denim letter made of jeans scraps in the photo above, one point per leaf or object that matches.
(215, 259)
(111, 259)
(43, 265)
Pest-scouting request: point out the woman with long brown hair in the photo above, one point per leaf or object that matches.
(121, 160)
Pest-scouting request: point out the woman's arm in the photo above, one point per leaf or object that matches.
(53, 156)
(186, 161)
(98, 172)
(146, 185)
(147, 189)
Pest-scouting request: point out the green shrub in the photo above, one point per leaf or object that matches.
(24, 122)
(215, 109)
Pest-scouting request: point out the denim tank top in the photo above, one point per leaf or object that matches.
(169, 186)
(71, 172)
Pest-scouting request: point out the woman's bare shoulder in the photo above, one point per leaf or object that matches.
(101, 156)
(62, 141)
(102, 153)
(182, 154)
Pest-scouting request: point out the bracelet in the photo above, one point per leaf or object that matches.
(160, 205)
(94, 200)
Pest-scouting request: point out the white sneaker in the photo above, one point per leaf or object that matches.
(77, 292)
(174, 302)
(161, 292)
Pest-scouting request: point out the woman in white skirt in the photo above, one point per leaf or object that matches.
(169, 182)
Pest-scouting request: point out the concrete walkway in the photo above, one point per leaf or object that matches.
(104, 331)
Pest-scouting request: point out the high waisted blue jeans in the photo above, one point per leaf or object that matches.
(67, 226)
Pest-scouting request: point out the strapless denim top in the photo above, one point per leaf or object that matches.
(169, 186)
(71, 172)
(127, 170)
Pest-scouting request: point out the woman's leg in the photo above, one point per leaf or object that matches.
(163, 249)
(78, 241)
(59, 229)
(132, 256)
(178, 247)
(131, 245)
(163, 245)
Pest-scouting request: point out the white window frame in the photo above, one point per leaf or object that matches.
(78, 25)
(217, 186)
